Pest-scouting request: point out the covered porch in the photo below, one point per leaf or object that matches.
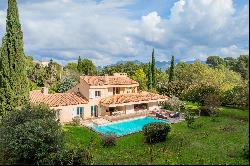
(128, 108)
(130, 104)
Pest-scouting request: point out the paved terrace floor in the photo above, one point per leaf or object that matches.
(109, 119)
(126, 116)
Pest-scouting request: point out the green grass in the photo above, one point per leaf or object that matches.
(218, 141)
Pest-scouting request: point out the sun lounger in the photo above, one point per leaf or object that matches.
(175, 115)
(161, 116)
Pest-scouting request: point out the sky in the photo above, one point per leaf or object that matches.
(107, 31)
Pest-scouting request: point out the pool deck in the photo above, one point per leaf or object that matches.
(109, 119)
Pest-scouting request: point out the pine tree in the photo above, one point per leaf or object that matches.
(79, 65)
(171, 70)
(153, 69)
(14, 89)
(149, 82)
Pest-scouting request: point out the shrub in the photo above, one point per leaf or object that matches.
(156, 132)
(213, 101)
(189, 118)
(76, 121)
(210, 105)
(238, 96)
(69, 156)
(29, 134)
(173, 104)
(109, 140)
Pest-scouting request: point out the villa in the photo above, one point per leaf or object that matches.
(99, 96)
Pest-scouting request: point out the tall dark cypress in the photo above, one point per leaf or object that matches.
(14, 89)
(171, 70)
(149, 82)
(79, 64)
(153, 68)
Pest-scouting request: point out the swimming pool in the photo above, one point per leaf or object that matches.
(126, 127)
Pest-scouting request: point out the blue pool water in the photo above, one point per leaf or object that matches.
(126, 127)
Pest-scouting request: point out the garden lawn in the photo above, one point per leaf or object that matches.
(218, 141)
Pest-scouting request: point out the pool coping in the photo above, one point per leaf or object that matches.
(101, 134)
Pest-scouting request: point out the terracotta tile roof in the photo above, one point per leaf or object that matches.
(57, 99)
(110, 80)
(132, 97)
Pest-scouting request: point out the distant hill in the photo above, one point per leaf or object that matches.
(163, 65)
(135, 61)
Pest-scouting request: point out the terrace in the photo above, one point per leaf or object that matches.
(108, 119)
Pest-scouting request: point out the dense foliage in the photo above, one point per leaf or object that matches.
(86, 67)
(72, 66)
(237, 96)
(128, 67)
(109, 140)
(173, 104)
(193, 82)
(14, 87)
(156, 132)
(29, 135)
(240, 65)
(68, 156)
(141, 78)
(66, 84)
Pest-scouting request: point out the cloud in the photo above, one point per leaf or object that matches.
(233, 51)
(105, 31)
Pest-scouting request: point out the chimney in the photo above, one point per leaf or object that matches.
(45, 90)
(106, 79)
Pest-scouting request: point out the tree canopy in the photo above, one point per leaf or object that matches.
(86, 67)
(214, 61)
(29, 135)
(141, 78)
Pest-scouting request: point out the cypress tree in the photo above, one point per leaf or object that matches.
(153, 68)
(171, 70)
(14, 89)
(79, 64)
(149, 82)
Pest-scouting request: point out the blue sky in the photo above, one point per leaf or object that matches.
(107, 31)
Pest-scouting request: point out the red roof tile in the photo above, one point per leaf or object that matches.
(132, 97)
(57, 99)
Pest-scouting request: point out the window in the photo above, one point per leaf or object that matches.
(117, 90)
(79, 111)
(97, 93)
(94, 111)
